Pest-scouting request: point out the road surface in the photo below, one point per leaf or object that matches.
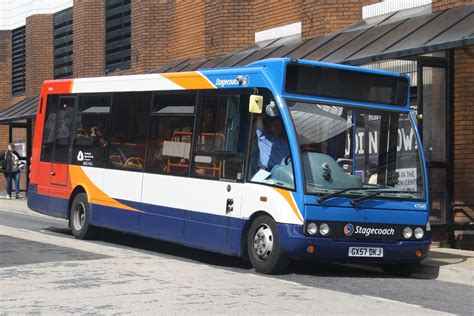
(43, 269)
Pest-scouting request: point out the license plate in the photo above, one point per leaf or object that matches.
(365, 252)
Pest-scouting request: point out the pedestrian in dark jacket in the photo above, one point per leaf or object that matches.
(12, 162)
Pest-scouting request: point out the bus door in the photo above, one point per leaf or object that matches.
(218, 157)
(53, 176)
(65, 117)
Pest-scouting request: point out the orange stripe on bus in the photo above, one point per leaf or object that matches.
(95, 195)
(289, 198)
(189, 80)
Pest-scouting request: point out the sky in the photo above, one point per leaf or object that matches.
(14, 12)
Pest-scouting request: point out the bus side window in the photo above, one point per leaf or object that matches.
(90, 142)
(127, 132)
(219, 149)
(171, 133)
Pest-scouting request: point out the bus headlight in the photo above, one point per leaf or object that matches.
(324, 229)
(312, 228)
(419, 233)
(407, 232)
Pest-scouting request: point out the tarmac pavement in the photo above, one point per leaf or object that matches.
(53, 274)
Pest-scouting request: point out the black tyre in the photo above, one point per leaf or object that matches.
(264, 248)
(79, 218)
(400, 269)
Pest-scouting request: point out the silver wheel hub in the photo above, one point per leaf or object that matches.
(263, 242)
(79, 216)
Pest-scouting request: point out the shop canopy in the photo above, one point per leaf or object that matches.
(23, 110)
(391, 36)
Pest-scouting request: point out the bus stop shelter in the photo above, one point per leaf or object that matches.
(19, 119)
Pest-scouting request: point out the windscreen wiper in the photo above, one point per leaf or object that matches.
(334, 194)
(356, 201)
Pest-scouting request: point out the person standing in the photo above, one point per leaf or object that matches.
(12, 162)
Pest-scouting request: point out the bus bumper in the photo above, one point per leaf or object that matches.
(295, 245)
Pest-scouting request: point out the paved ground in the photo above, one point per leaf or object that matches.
(44, 270)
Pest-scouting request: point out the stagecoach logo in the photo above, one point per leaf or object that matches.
(245, 80)
(348, 229)
(80, 156)
(240, 80)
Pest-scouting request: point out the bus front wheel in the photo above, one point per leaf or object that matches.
(264, 248)
(79, 218)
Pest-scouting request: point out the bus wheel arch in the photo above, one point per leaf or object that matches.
(263, 244)
(79, 215)
(78, 189)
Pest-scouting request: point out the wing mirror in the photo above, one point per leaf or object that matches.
(271, 109)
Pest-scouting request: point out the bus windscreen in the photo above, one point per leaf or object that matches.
(345, 84)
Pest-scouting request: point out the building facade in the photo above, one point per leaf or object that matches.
(85, 38)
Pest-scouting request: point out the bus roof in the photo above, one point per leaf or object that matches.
(254, 75)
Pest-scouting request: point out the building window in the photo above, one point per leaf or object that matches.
(63, 59)
(117, 35)
(18, 61)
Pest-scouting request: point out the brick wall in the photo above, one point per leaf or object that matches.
(186, 29)
(438, 5)
(270, 14)
(464, 129)
(39, 52)
(229, 25)
(323, 17)
(163, 31)
(88, 38)
(6, 68)
(150, 23)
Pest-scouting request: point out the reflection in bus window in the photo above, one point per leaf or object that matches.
(49, 125)
(57, 129)
(63, 128)
(360, 148)
(90, 143)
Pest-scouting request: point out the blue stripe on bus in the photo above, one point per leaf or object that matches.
(48, 205)
(200, 230)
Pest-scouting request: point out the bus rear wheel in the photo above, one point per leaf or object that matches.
(79, 218)
(264, 248)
